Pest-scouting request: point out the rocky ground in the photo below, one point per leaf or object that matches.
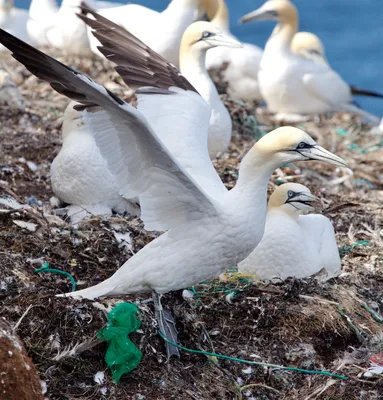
(334, 327)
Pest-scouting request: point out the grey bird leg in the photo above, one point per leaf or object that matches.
(166, 324)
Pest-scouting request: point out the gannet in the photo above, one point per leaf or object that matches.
(240, 65)
(161, 31)
(13, 20)
(293, 245)
(207, 228)
(80, 176)
(59, 27)
(308, 45)
(198, 38)
(291, 84)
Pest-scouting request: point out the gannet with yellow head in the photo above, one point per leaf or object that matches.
(13, 20)
(198, 38)
(290, 83)
(241, 65)
(308, 45)
(161, 31)
(294, 244)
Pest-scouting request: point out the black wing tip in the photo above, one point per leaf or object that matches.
(364, 92)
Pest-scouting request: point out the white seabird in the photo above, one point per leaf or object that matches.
(198, 38)
(208, 229)
(80, 176)
(161, 31)
(43, 15)
(13, 20)
(293, 245)
(240, 65)
(308, 45)
(59, 27)
(291, 84)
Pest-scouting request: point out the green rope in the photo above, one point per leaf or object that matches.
(345, 250)
(207, 353)
(374, 314)
(45, 268)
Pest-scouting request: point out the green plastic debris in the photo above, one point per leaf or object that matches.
(122, 355)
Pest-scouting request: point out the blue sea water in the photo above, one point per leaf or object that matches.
(351, 30)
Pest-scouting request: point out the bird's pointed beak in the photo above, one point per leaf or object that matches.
(221, 39)
(319, 153)
(303, 198)
(261, 14)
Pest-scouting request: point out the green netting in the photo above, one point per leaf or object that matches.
(122, 355)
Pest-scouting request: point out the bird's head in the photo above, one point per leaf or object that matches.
(273, 10)
(203, 35)
(308, 45)
(288, 144)
(293, 198)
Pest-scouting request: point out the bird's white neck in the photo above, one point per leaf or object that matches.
(250, 192)
(282, 36)
(193, 67)
(221, 18)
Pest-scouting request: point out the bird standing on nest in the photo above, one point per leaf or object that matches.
(208, 228)
(293, 245)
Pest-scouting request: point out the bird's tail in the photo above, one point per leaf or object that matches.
(351, 108)
(115, 286)
(363, 92)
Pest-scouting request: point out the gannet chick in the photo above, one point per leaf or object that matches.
(208, 229)
(59, 28)
(13, 20)
(162, 31)
(198, 38)
(240, 65)
(308, 45)
(291, 84)
(293, 245)
(80, 176)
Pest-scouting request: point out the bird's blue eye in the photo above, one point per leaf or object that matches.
(303, 145)
(206, 34)
(290, 194)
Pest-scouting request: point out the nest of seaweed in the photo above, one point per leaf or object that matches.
(301, 323)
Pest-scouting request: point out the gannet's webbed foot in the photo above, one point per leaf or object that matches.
(166, 325)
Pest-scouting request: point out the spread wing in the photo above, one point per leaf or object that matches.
(137, 64)
(140, 66)
(169, 196)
